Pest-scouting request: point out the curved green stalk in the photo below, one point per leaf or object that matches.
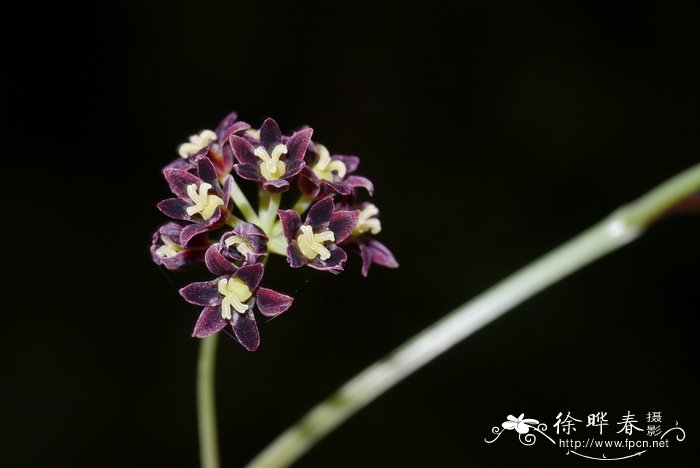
(617, 230)
(206, 403)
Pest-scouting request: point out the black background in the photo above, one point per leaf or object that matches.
(493, 132)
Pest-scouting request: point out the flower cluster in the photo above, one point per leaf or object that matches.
(214, 223)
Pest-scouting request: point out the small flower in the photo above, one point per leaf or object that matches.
(244, 245)
(522, 426)
(272, 163)
(196, 143)
(363, 242)
(315, 242)
(230, 300)
(212, 145)
(166, 249)
(324, 171)
(200, 199)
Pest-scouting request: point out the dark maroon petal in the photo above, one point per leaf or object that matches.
(191, 231)
(291, 222)
(243, 150)
(360, 182)
(320, 214)
(203, 294)
(179, 163)
(276, 186)
(333, 264)
(246, 330)
(374, 251)
(206, 171)
(209, 322)
(342, 223)
(248, 229)
(226, 194)
(294, 257)
(216, 263)
(308, 182)
(179, 179)
(298, 143)
(185, 260)
(271, 303)
(248, 171)
(351, 162)
(339, 187)
(293, 168)
(226, 122)
(175, 208)
(251, 275)
(226, 158)
(270, 134)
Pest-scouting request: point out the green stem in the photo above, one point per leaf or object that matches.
(302, 204)
(243, 204)
(206, 403)
(617, 230)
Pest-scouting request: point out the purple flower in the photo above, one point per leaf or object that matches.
(212, 145)
(230, 300)
(370, 250)
(167, 250)
(200, 199)
(273, 162)
(324, 173)
(315, 242)
(244, 245)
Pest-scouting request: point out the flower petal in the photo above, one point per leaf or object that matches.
(351, 162)
(342, 223)
(206, 171)
(509, 425)
(174, 208)
(179, 179)
(522, 428)
(360, 182)
(209, 322)
(276, 186)
(251, 275)
(271, 303)
(270, 134)
(203, 294)
(291, 222)
(294, 257)
(216, 263)
(242, 150)
(294, 168)
(192, 230)
(320, 214)
(373, 251)
(297, 144)
(246, 330)
(334, 264)
(248, 171)
(309, 184)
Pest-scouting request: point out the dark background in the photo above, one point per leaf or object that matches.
(493, 132)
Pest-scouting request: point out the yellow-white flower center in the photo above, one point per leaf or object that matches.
(271, 167)
(325, 166)
(240, 244)
(235, 293)
(311, 245)
(367, 221)
(253, 133)
(168, 249)
(204, 203)
(196, 143)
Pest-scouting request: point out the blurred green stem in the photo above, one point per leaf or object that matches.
(206, 403)
(615, 231)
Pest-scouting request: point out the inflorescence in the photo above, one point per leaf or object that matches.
(215, 224)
